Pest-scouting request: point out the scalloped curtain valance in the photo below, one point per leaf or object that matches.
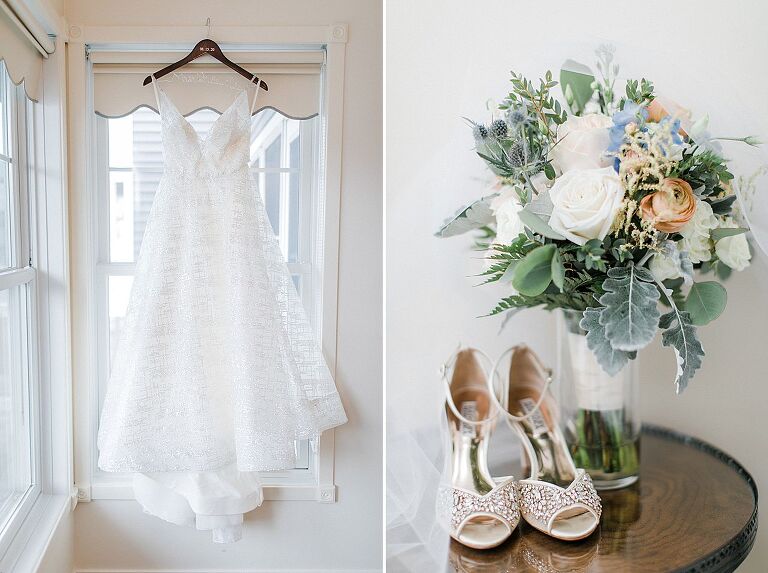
(293, 78)
(23, 45)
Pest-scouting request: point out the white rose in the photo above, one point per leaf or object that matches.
(696, 233)
(582, 143)
(506, 207)
(585, 203)
(734, 250)
(664, 267)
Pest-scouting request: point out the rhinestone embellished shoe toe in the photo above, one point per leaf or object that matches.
(557, 498)
(482, 512)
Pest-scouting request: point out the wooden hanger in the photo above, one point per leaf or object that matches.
(206, 47)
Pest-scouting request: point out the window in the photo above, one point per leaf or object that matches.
(129, 165)
(19, 395)
(296, 164)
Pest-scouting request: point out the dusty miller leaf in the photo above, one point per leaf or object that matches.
(631, 312)
(475, 215)
(680, 333)
(610, 359)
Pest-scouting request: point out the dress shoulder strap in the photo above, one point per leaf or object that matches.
(157, 92)
(255, 96)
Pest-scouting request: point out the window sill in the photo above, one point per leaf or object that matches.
(31, 541)
(123, 490)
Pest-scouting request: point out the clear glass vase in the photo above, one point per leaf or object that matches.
(600, 414)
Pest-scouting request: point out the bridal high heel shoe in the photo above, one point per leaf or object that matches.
(483, 512)
(558, 498)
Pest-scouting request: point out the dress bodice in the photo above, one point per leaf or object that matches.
(224, 150)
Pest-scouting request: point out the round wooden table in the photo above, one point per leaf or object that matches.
(694, 509)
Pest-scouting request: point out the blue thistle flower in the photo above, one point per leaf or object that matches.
(516, 117)
(516, 154)
(499, 128)
(480, 132)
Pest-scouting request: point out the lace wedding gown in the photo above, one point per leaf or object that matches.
(217, 372)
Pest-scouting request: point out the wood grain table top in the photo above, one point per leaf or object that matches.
(694, 509)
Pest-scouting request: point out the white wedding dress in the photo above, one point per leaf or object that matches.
(217, 371)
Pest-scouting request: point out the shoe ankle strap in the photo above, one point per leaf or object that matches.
(444, 369)
(503, 405)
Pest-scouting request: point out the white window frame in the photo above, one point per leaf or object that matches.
(42, 263)
(22, 276)
(317, 482)
(278, 126)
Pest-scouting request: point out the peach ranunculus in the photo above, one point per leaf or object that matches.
(671, 207)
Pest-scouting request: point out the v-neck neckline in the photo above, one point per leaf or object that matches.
(202, 140)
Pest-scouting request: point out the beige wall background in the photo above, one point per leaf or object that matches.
(443, 60)
(116, 535)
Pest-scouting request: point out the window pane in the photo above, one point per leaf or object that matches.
(272, 188)
(294, 190)
(15, 455)
(5, 214)
(119, 291)
(121, 237)
(121, 142)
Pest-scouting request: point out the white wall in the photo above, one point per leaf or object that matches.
(444, 59)
(286, 535)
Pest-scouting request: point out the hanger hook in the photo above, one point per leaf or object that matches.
(208, 24)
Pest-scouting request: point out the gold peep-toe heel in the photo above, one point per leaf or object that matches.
(557, 498)
(483, 512)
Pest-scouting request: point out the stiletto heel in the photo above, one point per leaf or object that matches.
(557, 498)
(483, 512)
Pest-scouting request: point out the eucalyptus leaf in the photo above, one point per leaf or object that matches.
(558, 270)
(576, 81)
(631, 312)
(534, 273)
(474, 216)
(705, 302)
(541, 205)
(610, 359)
(724, 232)
(509, 274)
(723, 206)
(537, 224)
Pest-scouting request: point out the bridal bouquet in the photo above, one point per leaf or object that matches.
(607, 210)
